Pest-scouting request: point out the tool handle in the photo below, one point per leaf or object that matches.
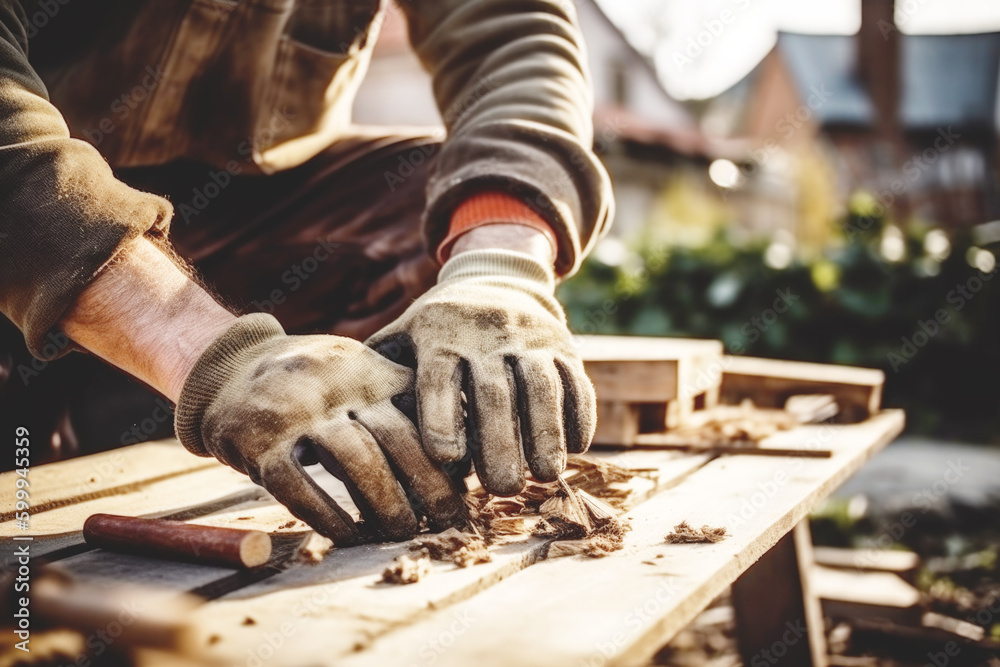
(160, 538)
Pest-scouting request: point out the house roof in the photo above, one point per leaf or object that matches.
(946, 79)
(827, 61)
(950, 79)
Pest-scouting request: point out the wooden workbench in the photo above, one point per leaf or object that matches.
(516, 610)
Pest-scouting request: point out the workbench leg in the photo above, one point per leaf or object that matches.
(778, 617)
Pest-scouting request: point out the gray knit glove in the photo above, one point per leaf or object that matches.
(492, 330)
(266, 404)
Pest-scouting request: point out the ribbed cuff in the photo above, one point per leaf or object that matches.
(497, 263)
(224, 357)
(492, 208)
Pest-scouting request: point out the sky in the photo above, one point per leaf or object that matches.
(702, 47)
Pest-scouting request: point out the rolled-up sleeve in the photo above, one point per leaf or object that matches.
(63, 214)
(511, 83)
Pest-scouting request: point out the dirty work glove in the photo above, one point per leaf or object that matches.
(266, 404)
(491, 332)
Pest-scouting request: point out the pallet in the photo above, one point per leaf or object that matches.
(769, 383)
(518, 609)
(645, 385)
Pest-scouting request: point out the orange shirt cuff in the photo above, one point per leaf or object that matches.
(491, 208)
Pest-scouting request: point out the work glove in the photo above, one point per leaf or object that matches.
(267, 404)
(498, 376)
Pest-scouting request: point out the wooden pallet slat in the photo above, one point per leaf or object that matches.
(548, 614)
(648, 384)
(344, 591)
(770, 382)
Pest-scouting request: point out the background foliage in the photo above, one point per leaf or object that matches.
(854, 306)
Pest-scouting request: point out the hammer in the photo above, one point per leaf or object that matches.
(160, 538)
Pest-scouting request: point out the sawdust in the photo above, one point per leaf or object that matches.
(314, 548)
(685, 534)
(406, 570)
(578, 512)
(746, 425)
(503, 520)
(453, 545)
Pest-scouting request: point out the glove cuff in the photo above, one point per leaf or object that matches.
(224, 357)
(497, 263)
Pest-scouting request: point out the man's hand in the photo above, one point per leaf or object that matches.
(490, 335)
(265, 403)
(262, 403)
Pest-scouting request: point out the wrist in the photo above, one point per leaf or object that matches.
(494, 263)
(221, 359)
(146, 316)
(506, 236)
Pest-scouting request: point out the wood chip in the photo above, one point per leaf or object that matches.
(407, 570)
(453, 545)
(314, 548)
(685, 534)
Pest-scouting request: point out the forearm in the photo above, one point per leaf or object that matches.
(144, 315)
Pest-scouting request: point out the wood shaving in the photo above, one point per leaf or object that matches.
(406, 570)
(502, 520)
(730, 425)
(453, 545)
(685, 534)
(314, 548)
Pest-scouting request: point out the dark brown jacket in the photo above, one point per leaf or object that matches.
(269, 84)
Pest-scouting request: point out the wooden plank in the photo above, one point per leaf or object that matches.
(903, 563)
(770, 382)
(118, 471)
(334, 607)
(636, 369)
(617, 423)
(872, 595)
(778, 616)
(252, 509)
(620, 610)
(62, 527)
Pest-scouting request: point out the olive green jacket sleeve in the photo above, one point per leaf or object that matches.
(511, 82)
(63, 214)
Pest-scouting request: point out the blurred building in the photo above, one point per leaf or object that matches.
(910, 118)
(647, 139)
